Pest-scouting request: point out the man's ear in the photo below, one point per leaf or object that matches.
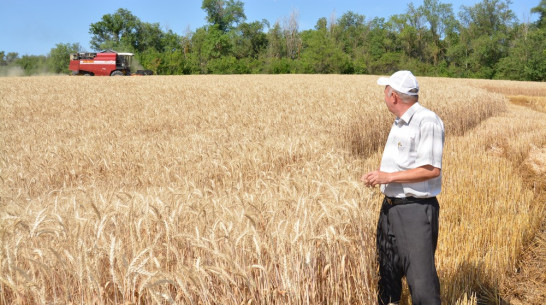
(396, 97)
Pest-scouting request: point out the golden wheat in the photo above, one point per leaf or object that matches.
(241, 189)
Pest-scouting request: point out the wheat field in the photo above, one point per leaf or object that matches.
(246, 189)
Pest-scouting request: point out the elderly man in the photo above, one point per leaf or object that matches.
(410, 178)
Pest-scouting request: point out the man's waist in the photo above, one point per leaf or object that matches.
(419, 190)
(407, 200)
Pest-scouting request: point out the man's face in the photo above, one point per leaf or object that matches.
(389, 98)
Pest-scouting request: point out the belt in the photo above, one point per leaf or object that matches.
(404, 200)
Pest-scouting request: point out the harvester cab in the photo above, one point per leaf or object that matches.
(124, 60)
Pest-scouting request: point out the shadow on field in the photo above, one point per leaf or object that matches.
(472, 280)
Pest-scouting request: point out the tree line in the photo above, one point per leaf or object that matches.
(485, 40)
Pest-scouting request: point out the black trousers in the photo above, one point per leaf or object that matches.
(407, 235)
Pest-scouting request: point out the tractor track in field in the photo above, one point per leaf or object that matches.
(527, 283)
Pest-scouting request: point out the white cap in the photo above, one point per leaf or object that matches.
(401, 81)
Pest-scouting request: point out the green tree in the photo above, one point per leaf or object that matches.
(151, 59)
(209, 43)
(527, 56)
(419, 34)
(277, 58)
(197, 54)
(249, 40)
(172, 42)
(118, 30)
(320, 52)
(484, 41)
(351, 32)
(541, 10)
(216, 44)
(224, 13)
(8, 59)
(410, 33)
(441, 25)
(148, 35)
(276, 47)
(383, 51)
(32, 64)
(8, 64)
(122, 31)
(485, 34)
(59, 57)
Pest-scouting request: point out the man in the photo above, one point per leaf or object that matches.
(410, 178)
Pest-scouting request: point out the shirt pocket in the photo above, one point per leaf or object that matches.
(407, 150)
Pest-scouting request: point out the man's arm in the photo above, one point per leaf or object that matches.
(418, 174)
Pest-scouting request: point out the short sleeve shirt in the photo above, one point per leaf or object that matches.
(416, 139)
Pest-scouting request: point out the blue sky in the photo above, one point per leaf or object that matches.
(35, 27)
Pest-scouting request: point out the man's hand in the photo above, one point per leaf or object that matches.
(374, 178)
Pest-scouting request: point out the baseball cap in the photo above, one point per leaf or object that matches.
(401, 81)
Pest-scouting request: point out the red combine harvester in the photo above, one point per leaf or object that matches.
(108, 63)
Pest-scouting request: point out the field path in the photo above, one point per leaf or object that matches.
(527, 283)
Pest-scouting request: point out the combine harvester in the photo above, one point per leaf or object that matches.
(107, 63)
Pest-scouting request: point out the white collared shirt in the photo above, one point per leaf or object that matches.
(416, 139)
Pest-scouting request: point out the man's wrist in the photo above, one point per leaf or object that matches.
(389, 177)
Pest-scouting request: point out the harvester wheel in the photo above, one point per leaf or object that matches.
(117, 73)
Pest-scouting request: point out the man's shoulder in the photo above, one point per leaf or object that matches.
(424, 113)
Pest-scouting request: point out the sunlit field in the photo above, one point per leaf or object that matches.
(246, 189)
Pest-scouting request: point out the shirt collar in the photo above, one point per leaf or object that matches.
(406, 117)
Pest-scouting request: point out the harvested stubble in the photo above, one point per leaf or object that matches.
(491, 211)
(235, 189)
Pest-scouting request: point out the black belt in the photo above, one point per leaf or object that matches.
(405, 200)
